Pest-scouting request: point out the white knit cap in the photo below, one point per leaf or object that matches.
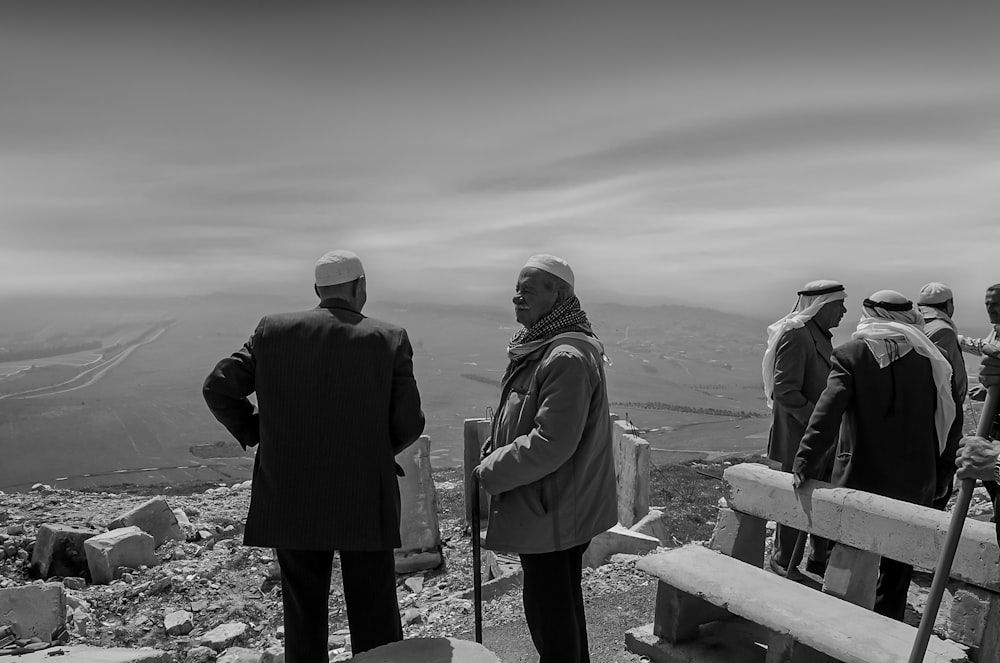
(338, 267)
(552, 265)
(934, 293)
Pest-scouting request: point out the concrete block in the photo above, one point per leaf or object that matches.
(741, 536)
(505, 574)
(429, 650)
(971, 615)
(126, 546)
(852, 575)
(224, 636)
(734, 641)
(59, 551)
(782, 648)
(653, 524)
(618, 539)
(475, 434)
(85, 654)
(678, 614)
(417, 561)
(35, 611)
(153, 517)
(631, 454)
(898, 530)
(418, 529)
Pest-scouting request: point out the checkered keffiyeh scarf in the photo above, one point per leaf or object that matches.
(568, 316)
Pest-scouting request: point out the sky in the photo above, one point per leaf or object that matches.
(714, 154)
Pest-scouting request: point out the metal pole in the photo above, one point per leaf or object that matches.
(951, 541)
(477, 573)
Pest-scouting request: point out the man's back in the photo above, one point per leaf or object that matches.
(337, 400)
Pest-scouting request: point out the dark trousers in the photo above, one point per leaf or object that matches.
(893, 584)
(784, 543)
(369, 592)
(553, 605)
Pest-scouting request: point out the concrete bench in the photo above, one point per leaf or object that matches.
(864, 527)
(698, 585)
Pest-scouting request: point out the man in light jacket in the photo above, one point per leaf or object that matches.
(550, 468)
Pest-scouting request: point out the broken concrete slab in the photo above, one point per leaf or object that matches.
(618, 539)
(631, 454)
(154, 517)
(59, 551)
(655, 525)
(85, 654)
(123, 547)
(419, 529)
(34, 611)
(429, 650)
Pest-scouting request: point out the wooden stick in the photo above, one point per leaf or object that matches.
(477, 573)
(958, 514)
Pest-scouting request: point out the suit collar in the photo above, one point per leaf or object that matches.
(337, 303)
(822, 339)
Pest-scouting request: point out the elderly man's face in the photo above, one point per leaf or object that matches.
(830, 314)
(535, 296)
(993, 306)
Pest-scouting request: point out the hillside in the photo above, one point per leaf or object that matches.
(688, 377)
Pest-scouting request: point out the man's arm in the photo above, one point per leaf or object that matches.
(790, 360)
(824, 424)
(406, 417)
(565, 390)
(226, 389)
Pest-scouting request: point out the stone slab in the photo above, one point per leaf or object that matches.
(154, 517)
(83, 654)
(618, 539)
(899, 530)
(417, 561)
(655, 525)
(852, 634)
(418, 528)
(35, 611)
(631, 454)
(126, 546)
(428, 650)
(59, 551)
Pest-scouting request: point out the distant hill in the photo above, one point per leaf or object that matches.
(147, 411)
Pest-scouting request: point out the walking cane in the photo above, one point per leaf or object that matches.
(951, 541)
(477, 574)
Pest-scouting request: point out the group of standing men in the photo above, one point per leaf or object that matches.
(881, 413)
(337, 400)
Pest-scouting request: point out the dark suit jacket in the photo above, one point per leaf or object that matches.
(801, 365)
(885, 416)
(337, 401)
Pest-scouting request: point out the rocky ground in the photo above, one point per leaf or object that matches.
(219, 581)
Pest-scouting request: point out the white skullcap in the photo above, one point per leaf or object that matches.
(338, 267)
(934, 293)
(552, 265)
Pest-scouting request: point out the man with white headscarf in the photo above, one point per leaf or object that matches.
(795, 367)
(889, 396)
(937, 305)
(550, 466)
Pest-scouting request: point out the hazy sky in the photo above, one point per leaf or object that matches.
(707, 153)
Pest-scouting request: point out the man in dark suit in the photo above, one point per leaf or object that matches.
(337, 400)
(796, 364)
(889, 396)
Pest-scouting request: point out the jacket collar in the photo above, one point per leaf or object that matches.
(822, 338)
(337, 303)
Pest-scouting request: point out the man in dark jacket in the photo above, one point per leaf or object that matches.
(889, 396)
(551, 470)
(337, 400)
(796, 364)
(937, 305)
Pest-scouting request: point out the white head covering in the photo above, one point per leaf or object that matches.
(891, 327)
(338, 267)
(552, 265)
(814, 296)
(934, 293)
